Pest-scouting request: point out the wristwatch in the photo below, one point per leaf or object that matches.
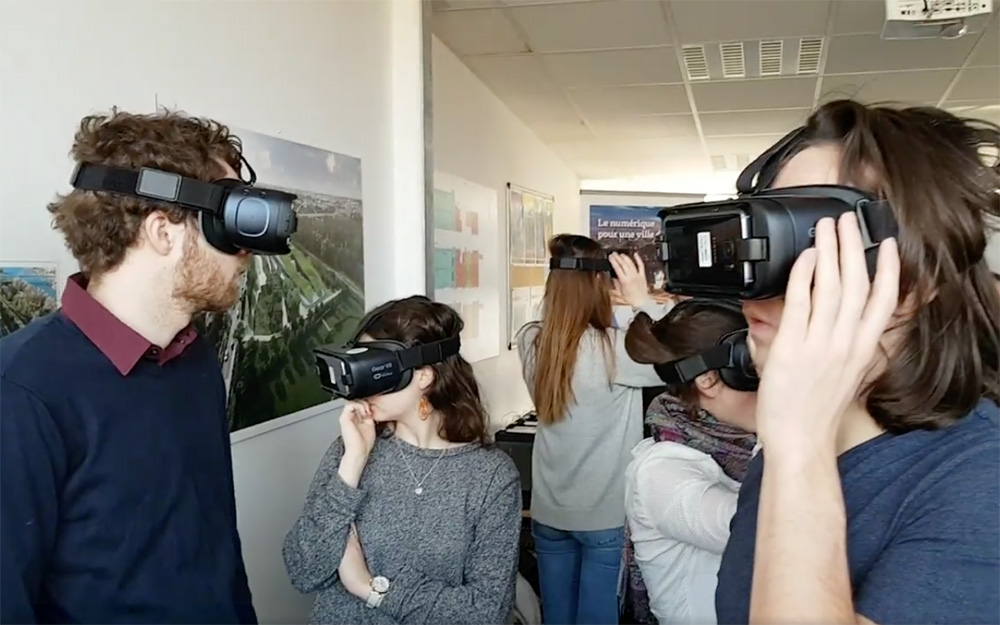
(379, 586)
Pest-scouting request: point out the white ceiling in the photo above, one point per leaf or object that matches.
(602, 82)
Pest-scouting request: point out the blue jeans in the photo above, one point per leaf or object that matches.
(578, 575)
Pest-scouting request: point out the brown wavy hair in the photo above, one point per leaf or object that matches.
(940, 175)
(573, 302)
(691, 327)
(100, 227)
(454, 392)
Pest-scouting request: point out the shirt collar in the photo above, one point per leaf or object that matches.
(122, 345)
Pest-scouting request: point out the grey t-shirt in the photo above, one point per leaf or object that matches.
(450, 553)
(923, 543)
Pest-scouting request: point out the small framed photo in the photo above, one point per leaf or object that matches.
(28, 290)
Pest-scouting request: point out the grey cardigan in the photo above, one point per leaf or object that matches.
(578, 464)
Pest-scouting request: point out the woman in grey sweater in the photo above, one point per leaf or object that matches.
(588, 396)
(412, 516)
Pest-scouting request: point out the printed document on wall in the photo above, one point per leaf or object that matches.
(466, 267)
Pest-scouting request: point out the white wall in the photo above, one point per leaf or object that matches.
(476, 137)
(322, 73)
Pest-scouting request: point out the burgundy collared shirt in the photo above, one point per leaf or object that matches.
(122, 345)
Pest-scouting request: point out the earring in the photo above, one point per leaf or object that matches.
(425, 409)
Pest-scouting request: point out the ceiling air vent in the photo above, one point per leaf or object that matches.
(719, 163)
(770, 58)
(810, 49)
(732, 60)
(695, 63)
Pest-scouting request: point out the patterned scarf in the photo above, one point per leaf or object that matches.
(730, 447)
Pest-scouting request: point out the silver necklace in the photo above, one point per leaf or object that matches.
(419, 490)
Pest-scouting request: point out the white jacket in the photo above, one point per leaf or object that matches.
(679, 504)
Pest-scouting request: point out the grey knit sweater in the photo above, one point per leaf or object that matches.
(450, 553)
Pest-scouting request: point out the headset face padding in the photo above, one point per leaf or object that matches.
(742, 375)
(215, 233)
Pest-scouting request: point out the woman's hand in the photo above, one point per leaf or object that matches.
(357, 430)
(830, 330)
(631, 281)
(353, 569)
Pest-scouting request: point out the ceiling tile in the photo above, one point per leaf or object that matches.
(647, 126)
(870, 53)
(571, 129)
(511, 74)
(523, 2)
(743, 95)
(987, 52)
(538, 107)
(742, 146)
(450, 5)
(477, 32)
(596, 169)
(895, 87)
(615, 101)
(988, 110)
(701, 21)
(591, 150)
(859, 16)
(592, 25)
(980, 83)
(645, 66)
(752, 123)
(664, 148)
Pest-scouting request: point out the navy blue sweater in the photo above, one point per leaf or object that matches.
(116, 491)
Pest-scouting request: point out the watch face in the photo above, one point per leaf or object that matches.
(380, 584)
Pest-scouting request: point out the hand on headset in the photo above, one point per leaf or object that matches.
(828, 337)
(631, 282)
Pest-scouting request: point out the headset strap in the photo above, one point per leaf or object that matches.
(206, 196)
(581, 264)
(429, 353)
(685, 370)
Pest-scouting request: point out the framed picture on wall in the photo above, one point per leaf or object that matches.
(28, 290)
(529, 228)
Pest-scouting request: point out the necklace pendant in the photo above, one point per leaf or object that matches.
(419, 490)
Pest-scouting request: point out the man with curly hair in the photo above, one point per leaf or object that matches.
(116, 479)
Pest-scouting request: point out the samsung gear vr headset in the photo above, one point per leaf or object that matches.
(361, 369)
(730, 356)
(744, 248)
(234, 215)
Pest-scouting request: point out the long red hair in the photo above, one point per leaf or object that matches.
(573, 302)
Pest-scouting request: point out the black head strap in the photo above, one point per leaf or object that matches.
(149, 184)
(581, 264)
(760, 173)
(685, 370)
(429, 354)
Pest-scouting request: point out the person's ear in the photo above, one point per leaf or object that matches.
(425, 377)
(162, 235)
(708, 384)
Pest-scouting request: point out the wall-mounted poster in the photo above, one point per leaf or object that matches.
(28, 290)
(466, 265)
(529, 228)
(292, 304)
(634, 229)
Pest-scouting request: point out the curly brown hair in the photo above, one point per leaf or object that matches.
(99, 227)
(454, 392)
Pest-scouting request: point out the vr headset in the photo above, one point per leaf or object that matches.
(234, 214)
(744, 248)
(730, 356)
(362, 369)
